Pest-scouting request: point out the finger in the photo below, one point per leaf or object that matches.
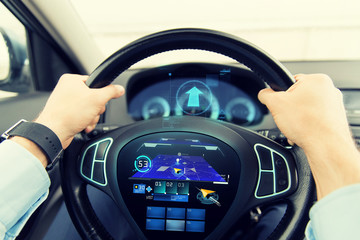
(265, 95)
(111, 91)
(73, 77)
(89, 129)
(299, 76)
(293, 87)
(84, 78)
(95, 120)
(93, 124)
(102, 109)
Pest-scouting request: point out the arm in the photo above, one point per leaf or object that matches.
(71, 108)
(311, 114)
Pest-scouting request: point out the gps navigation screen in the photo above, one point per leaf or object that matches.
(182, 159)
(178, 182)
(193, 168)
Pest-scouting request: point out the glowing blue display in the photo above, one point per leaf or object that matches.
(194, 97)
(155, 224)
(194, 168)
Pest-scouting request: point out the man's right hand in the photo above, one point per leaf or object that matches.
(311, 114)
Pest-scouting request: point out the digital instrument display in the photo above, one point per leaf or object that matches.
(216, 92)
(178, 182)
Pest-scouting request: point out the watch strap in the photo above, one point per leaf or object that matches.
(41, 135)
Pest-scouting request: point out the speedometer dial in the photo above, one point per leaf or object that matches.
(155, 107)
(240, 110)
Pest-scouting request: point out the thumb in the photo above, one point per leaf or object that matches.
(111, 91)
(266, 95)
(274, 101)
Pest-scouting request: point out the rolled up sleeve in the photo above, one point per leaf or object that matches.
(336, 216)
(24, 185)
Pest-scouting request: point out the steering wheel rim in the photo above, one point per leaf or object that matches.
(267, 68)
(264, 65)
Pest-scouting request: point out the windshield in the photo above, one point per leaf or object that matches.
(295, 30)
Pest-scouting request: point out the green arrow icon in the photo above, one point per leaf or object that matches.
(194, 97)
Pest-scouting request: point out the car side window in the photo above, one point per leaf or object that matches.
(15, 77)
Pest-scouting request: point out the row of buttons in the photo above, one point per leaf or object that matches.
(175, 225)
(176, 213)
(274, 173)
(93, 162)
(156, 219)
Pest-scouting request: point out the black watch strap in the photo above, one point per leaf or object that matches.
(41, 135)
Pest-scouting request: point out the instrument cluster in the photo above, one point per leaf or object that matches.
(213, 91)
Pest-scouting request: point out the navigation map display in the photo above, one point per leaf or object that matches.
(181, 159)
(193, 168)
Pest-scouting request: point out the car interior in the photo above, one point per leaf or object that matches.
(189, 151)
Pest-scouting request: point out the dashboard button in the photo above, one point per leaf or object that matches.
(139, 188)
(155, 212)
(171, 187)
(266, 185)
(183, 188)
(87, 162)
(102, 147)
(175, 213)
(264, 156)
(98, 172)
(195, 226)
(160, 187)
(281, 173)
(175, 225)
(195, 214)
(155, 224)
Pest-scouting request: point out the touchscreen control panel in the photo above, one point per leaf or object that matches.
(178, 183)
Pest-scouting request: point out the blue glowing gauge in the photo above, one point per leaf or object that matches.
(240, 110)
(142, 163)
(155, 107)
(194, 98)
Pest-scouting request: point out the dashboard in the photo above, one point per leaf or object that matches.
(220, 92)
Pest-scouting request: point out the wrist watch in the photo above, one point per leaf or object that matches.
(41, 135)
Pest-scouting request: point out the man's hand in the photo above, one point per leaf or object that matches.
(311, 114)
(309, 111)
(73, 107)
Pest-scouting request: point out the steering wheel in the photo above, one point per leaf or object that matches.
(142, 166)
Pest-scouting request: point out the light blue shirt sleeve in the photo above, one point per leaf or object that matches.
(336, 216)
(24, 185)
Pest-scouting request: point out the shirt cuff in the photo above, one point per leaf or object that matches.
(2, 231)
(24, 184)
(336, 215)
(14, 231)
